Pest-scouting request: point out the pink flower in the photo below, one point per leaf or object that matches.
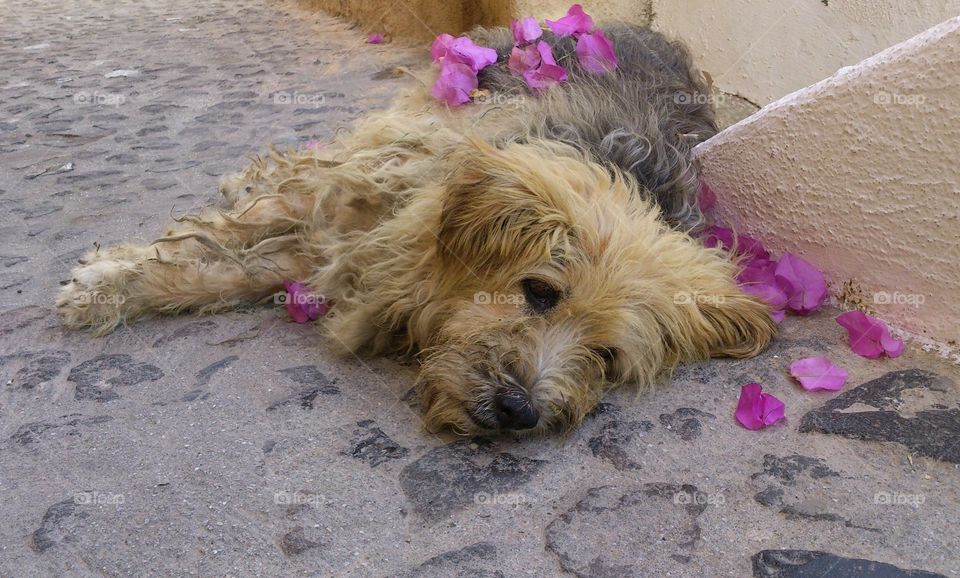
(526, 30)
(462, 50)
(455, 83)
(302, 304)
(706, 198)
(595, 53)
(869, 336)
(536, 64)
(575, 22)
(816, 373)
(741, 245)
(802, 283)
(375, 38)
(757, 409)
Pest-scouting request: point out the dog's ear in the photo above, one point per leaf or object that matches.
(500, 208)
(739, 324)
(715, 317)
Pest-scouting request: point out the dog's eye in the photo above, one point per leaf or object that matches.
(540, 295)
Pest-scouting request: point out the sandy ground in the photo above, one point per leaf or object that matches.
(239, 445)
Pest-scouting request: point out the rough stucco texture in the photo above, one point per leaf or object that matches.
(859, 174)
(764, 50)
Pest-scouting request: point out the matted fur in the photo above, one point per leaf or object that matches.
(422, 225)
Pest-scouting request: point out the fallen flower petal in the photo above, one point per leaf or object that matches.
(706, 197)
(455, 83)
(575, 22)
(757, 409)
(462, 50)
(595, 53)
(771, 295)
(869, 336)
(526, 30)
(817, 373)
(739, 244)
(523, 60)
(804, 285)
(537, 66)
(302, 304)
(375, 38)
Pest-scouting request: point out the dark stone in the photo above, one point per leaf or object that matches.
(655, 523)
(373, 446)
(930, 432)
(204, 327)
(11, 260)
(685, 423)
(90, 376)
(475, 561)
(41, 367)
(296, 542)
(31, 433)
(790, 480)
(204, 375)
(449, 478)
(813, 564)
(614, 437)
(56, 525)
(317, 383)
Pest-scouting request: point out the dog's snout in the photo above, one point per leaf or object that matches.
(514, 411)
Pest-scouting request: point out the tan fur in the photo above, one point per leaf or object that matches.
(408, 223)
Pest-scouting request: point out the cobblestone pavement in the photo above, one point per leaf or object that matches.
(237, 445)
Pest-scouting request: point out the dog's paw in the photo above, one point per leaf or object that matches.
(96, 295)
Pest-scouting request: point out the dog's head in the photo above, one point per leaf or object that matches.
(559, 282)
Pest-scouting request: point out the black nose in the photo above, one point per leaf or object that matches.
(514, 411)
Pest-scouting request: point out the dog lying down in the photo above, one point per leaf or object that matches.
(531, 256)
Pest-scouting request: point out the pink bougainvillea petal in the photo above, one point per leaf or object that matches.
(537, 66)
(756, 409)
(892, 347)
(869, 336)
(738, 244)
(526, 30)
(523, 59)
(575, 22)
(595, 53)
(302, 304)
(769, 294)
(817, 373)
(706, 197)
(375, 38)
(804, 285)
(462, 50)
(455, 83)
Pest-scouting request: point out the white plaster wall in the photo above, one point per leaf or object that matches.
(764, 49)
(860, 174)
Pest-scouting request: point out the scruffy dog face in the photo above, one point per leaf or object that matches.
(559, 282)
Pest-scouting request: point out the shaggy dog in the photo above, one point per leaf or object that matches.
(531, 251)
